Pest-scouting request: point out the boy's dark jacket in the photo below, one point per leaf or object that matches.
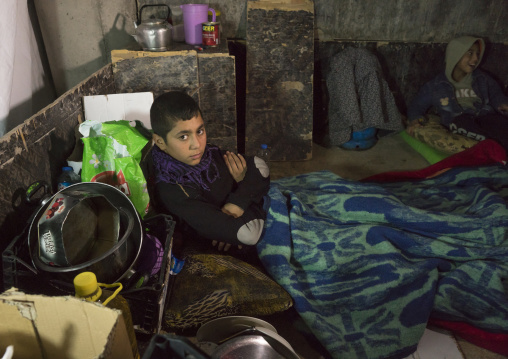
(439, 93)
(198, 212)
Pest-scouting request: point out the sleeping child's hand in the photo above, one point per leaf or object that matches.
(503, 109)
(419, 122)
(236, 164)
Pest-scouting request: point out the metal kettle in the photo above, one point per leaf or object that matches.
(154, 34)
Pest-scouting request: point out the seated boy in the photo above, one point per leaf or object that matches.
(214, 196)
(468, 100)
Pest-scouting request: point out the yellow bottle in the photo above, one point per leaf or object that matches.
(87, 288)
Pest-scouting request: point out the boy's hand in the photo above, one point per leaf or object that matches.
(222, 246)
(503, 108)
(237, 165)
(232, 210)
(419, 122)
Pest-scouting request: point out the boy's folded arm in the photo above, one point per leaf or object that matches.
(215, 224)
(212, 223)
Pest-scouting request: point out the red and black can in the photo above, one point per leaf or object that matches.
(211, 33)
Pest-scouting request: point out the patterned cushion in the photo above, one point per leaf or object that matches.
(214, 285)
(437, 136)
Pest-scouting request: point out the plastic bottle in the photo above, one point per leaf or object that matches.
(87, 288)
(67, 178)
(264, 153)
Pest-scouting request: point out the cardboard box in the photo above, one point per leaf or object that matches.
(115, 107)
(39, 326)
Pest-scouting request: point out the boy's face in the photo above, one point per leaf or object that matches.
(468, 62)
(186, 142)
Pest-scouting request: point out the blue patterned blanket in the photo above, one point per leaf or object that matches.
(367, 264)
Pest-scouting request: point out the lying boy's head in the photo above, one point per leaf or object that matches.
(179, 129)
(169, 108)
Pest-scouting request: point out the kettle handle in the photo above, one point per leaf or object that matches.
(152, 5)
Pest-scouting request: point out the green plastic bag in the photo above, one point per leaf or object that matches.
(111, 154)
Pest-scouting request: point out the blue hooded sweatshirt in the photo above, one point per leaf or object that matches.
(439, 93)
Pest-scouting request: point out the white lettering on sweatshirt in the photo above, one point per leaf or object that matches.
(460, 93)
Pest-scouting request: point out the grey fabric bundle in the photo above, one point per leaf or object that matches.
(359, 97)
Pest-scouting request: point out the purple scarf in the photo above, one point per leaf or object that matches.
(172, 171)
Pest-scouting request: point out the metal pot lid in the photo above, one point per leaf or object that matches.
(216, 330)
(248, 346)
(244, 337)
(255, 343)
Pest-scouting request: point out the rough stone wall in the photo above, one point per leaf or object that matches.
(412, 21)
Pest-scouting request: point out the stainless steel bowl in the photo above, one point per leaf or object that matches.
(115, 264)
(76, 227)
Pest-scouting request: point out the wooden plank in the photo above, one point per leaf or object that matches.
(217, 99)
(68, 105)
(21, 171)
(280, 67)
(141, 71)
(289, 5)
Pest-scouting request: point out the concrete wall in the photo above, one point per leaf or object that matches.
(80, 34)
(412, 21)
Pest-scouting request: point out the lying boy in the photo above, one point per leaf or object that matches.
(214, 196)
(468, 100)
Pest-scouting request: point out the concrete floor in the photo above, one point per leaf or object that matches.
(390, 153)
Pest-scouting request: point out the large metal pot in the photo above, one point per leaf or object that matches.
(154, 34)
(115, 263)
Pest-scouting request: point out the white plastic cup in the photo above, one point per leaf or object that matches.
(194, 15)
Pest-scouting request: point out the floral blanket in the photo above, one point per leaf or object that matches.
(367, 264)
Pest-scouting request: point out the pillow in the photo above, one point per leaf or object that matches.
(210, 286)
(437, 136)
(429, 153)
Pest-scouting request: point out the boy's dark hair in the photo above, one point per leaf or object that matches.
(169, 108)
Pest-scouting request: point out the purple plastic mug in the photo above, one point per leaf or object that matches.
(194, 15)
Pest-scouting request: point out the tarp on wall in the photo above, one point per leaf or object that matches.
(21, 70)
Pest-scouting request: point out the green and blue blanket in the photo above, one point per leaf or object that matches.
(367, 264)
